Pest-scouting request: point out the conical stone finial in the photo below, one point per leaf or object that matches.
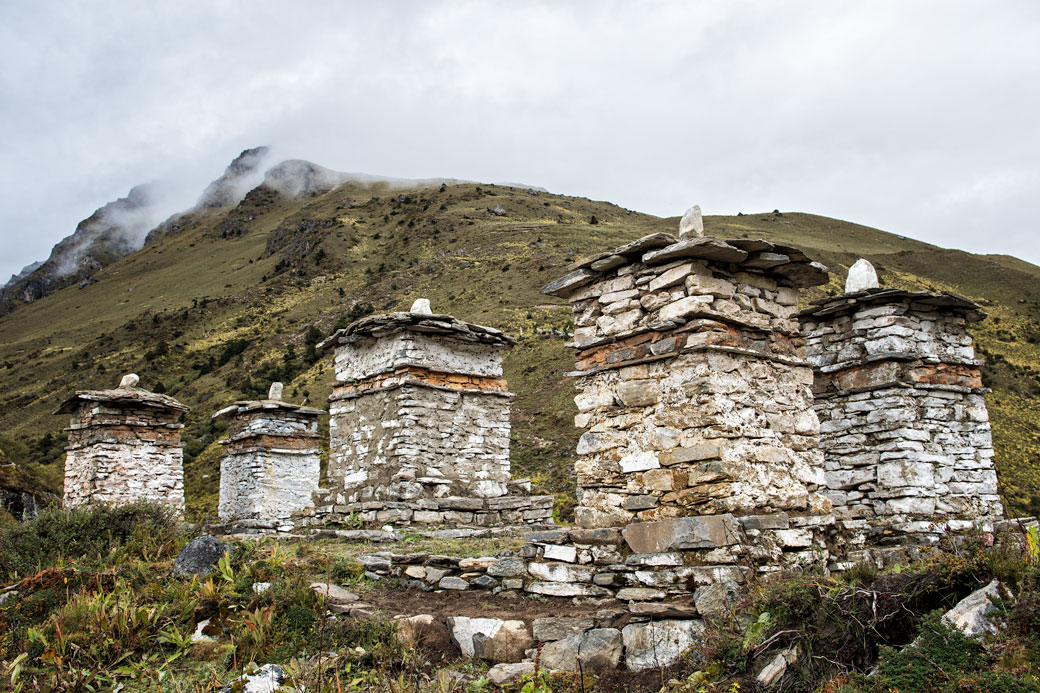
(275, 392)
(862, 276)
(129, 380)
(422, 307)
(692, 223)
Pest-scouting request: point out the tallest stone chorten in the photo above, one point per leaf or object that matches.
(695, 398)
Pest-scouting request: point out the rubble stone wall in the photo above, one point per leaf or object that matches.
(120, 454)
(401, 443)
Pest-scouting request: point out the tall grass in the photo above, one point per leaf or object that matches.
(91, 533)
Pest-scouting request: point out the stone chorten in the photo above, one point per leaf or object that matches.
(124, 446)
(420, 425)
(271, 463)
(695, 397)
(904, 426)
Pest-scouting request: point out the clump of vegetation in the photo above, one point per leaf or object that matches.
(880, 632)
(91, 534)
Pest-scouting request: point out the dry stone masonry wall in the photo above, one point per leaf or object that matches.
(420, 425)
(904, 427)
(696, 399)
(124, 446)
(271, 463)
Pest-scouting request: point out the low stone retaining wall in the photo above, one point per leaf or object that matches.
(454, 511)
(645, 562)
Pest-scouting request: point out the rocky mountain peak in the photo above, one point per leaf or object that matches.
(240, 175)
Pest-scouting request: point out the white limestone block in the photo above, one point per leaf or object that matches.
(862, 276)
(692, 223)
(421, 306)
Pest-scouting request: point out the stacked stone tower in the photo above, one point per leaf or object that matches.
(420, 425)
(124, 446)
(695, 396)
(271, 463)
(904, 426)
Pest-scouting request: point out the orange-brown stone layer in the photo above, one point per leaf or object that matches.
(269, 441)
(667, 344)
(947, 374)
(413, 375)
(883, 372)
(130, 434)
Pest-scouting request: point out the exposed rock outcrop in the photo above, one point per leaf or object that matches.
(238, 178)
(111, 232)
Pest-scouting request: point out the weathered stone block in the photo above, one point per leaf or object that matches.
(639, 462)
(599, 648)
(566, 589)
(638, 393)
(559, 572)
(706, 531)
(507, 567)
(659, 643)
(548, 629)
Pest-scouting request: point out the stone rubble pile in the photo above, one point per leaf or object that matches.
(124, 446)
(605, 639)
(271, 463)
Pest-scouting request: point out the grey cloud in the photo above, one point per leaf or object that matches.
(918, 117)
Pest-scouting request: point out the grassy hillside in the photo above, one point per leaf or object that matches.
(236, 297)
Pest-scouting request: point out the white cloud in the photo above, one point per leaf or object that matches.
(916, 117)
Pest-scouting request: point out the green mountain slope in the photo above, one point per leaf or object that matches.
(235, 297)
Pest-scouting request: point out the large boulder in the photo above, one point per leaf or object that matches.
(972, 614)
(659, 643)
(599, 648)
(463, 629)
(422, 630)
(199, 557)
(507, 644)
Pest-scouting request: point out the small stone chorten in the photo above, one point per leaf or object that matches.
(695, 397)
(124, 446)
(904, 426)
(271, 463)
(420, 425)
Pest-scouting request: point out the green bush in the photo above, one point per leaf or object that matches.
(941, 659)
(145, 530)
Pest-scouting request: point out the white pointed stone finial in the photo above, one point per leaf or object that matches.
(275, 392)
(692, 223)
(862, 276)
(129, 380)
(422, 307)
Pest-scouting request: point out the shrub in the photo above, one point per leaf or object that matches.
(943, 659)
(141, 529)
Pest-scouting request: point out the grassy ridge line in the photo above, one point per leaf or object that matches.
(197, 292)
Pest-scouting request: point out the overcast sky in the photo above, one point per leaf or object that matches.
(920, 118)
